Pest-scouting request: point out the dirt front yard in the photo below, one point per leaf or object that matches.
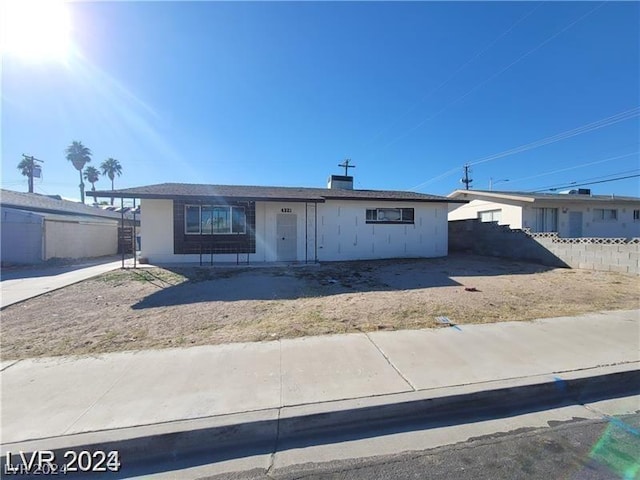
(156, 308)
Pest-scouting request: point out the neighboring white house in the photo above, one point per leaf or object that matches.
(226, 223)
(571, 215)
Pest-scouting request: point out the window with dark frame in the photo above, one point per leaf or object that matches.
(390, 215)
(214, 220)
(636, 215)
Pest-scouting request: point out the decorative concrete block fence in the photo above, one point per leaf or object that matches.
(488, 238)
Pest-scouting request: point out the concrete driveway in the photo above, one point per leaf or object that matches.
(19, 285)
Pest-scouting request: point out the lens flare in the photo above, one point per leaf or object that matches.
(35, 30)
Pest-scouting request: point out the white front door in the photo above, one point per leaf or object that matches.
(287, 237)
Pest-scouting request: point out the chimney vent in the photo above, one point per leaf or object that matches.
(340, 182)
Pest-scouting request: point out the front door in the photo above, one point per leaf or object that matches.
(575, 224)
(287, 237)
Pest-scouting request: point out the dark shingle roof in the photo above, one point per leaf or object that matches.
(247, 192)
(534, 197)
(41, 203)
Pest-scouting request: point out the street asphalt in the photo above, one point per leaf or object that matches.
(585, 449)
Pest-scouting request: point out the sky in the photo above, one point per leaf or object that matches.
(532, 95)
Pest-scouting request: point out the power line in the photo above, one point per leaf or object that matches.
(496, 74)
(575, 167)
(605, 122)
(598, 177)
(458, 70)
(618, 117)
(592, 183)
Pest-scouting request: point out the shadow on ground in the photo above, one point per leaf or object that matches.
(225, 284)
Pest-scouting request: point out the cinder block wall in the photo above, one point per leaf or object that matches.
(485, 238)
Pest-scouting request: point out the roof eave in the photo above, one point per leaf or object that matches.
(166, 196)
(55, 211)
(497, 195)
(398, 199)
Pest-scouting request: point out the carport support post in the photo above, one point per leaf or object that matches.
(200, 226)
(121, 236)
(315, 236)
(306, 233)
(211, 237)
(135, 239)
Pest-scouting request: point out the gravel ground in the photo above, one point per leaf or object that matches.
(161, 307)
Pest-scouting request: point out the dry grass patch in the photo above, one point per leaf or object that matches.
(156, 308)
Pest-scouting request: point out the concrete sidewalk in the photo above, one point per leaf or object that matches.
(62, 397)
(17, 286)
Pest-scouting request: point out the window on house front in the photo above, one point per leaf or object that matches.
(238, 220)
(636, 215)
(490, 216)
(605, 214)
(214, 220)
(390, 215)
(192, 219)
(545, 220)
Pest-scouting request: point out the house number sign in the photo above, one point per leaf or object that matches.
(285, 210)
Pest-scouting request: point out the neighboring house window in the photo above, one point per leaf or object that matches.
(490, 216)
(390, 215)
(546, 220)
(636, 215)
(212, 219)
(605, 214)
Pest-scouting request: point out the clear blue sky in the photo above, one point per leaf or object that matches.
(280, 93)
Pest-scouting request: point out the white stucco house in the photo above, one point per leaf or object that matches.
(249, 224)
(574, 214)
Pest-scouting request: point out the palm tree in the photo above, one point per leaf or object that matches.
(25, 166)
(79, 155)
(111, 167)
(92, 175)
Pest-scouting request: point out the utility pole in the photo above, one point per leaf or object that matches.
(346, 166)
(32, 170)
(466, 180)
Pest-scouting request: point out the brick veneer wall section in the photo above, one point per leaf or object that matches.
(487, 238)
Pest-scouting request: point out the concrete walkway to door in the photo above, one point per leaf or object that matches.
(23, 284)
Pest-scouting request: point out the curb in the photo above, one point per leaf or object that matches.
(262, 432)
